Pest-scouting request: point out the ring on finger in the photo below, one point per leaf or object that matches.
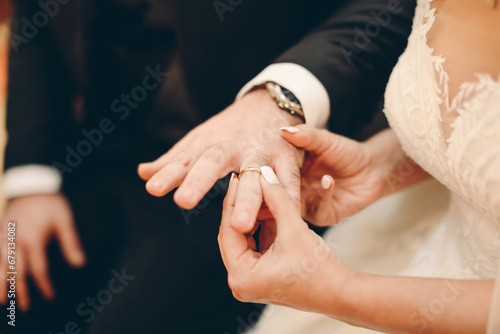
(249, 169)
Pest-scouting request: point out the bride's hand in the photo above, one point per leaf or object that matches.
(290, 269)
(298, 269)
(341, 176)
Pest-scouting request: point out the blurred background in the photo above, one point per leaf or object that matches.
(4, 34)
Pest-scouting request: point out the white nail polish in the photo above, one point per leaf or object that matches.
(326, 182)
(269, 175)
(233, 176)
(291, 129)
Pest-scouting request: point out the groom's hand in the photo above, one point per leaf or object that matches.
(246, 134)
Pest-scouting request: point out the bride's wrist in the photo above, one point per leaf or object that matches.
(331, 289)
(392, 168)
(348, 298)
(399, 172)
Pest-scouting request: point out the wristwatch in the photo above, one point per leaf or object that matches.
(285, 99)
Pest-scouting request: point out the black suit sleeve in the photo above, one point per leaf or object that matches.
(38, 98)
(353, 54)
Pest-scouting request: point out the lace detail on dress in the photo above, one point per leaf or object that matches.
(455, 140)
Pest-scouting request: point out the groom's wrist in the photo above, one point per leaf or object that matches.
(303, 84)
(266, 107)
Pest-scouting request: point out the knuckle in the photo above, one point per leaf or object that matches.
(217, 152)
(213, 156)
(184, 158)
(162, 173)
(238, 297)
(236, 285)
(255, 158)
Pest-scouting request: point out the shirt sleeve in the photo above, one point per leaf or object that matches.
(31, 180)
(303, 84)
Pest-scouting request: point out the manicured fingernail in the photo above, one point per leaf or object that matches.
(291, 129)
(326, 182)
(269, 175)
(233, 176)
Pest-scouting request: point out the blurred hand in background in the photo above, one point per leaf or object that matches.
(38, 220)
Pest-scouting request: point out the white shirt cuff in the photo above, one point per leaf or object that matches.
(303, 84)
(31, 180)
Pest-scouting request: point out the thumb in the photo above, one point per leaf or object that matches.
(309, 138)
(278, 201)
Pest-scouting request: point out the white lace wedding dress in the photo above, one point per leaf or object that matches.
(449, 228)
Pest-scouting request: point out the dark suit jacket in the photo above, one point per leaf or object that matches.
(95, 51)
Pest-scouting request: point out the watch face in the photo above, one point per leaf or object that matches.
(289, 95)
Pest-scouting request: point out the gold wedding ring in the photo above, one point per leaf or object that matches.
(249, 169)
